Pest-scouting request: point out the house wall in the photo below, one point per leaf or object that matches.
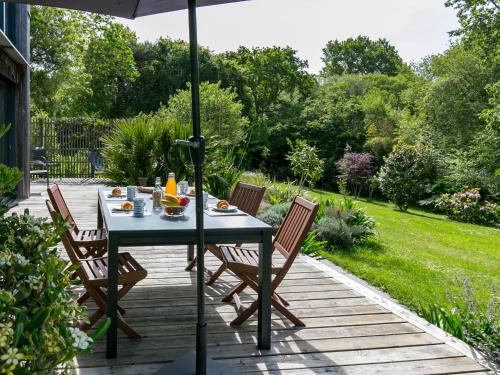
(15, 149)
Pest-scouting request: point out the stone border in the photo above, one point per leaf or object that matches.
(395, 307)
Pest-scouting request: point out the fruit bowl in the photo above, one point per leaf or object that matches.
(174, 210)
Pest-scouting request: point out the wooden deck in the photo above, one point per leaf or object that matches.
(347, 332)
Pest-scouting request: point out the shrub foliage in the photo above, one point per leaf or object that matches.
(406, 174)
(467, 206)
(38, 314)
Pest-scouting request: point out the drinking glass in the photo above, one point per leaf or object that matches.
(131, 192)
(183, 187)
(139, 207)
(205, 200)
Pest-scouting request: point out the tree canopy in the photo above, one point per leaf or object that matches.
(360, 55)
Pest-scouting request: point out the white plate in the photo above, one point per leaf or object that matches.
(229, 209)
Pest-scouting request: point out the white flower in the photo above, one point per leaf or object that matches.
(21, 260)
(80, 338)
(11, 358)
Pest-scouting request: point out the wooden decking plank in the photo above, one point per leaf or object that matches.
(138, 354)
(242, 337)
(343, 358)
(421, 367)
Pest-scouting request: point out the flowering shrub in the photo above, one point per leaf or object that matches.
(38, 314)
(467, 206)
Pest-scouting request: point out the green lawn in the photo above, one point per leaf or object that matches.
(417, 255)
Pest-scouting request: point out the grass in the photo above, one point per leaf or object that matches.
(417, 255)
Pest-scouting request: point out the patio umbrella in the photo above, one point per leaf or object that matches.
(139, 8)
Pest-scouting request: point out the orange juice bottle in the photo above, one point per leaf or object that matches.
(171, 187)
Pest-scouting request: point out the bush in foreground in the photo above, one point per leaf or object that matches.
(38, 315)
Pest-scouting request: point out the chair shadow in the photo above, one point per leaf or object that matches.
(165, 316)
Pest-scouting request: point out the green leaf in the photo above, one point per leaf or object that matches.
(18, 333)
(101, 330)
(38, 319)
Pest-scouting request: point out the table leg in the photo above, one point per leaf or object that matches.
(100, 222)
(111, 341)
(190, 253)
(264, 304)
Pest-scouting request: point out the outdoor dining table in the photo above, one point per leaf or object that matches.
(156, 229)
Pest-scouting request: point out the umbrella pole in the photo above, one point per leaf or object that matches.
(190, 362)
(201, 327)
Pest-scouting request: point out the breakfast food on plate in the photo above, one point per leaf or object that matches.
(127, 205)
(146, 190)
(170, 200)
(116, 192)
(223, 204)
(192, 191)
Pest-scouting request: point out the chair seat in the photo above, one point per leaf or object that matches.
(129, 270)
(90, 235)
(243, 260)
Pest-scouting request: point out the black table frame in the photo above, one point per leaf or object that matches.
(117, 239)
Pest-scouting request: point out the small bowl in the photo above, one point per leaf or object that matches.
(174, 210)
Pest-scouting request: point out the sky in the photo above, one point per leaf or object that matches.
(417, 28)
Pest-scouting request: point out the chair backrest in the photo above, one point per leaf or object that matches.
(38, 153)
(294, 229)
(247, 197)
(60, 205)
(73, 251)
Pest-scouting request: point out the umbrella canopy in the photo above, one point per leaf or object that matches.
(124, 8)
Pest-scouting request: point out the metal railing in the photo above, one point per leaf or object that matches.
(68, 142)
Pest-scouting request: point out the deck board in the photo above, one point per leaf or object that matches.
(346, 332)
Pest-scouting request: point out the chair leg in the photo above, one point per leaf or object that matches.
(282, 309)
(236, 290)
(126, 329)
(82, 298)
(191, 264)
(216, 274)
(245, 314)
(281, 299)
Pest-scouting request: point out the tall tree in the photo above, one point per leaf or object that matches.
(163, 68)
(479, 23)
(360, 55)
(109, 62)
(58, 40)
(272, 83)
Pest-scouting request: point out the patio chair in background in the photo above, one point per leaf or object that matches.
(96, 162)
(39, 164)
(94, 275)
(245, 263)
(95, 241)
(247, 198)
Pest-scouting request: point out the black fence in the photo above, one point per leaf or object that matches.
(68, 143)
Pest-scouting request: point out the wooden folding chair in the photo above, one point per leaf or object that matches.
(94, 275)
(94, 241)
(245, 263)
(247, 198)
